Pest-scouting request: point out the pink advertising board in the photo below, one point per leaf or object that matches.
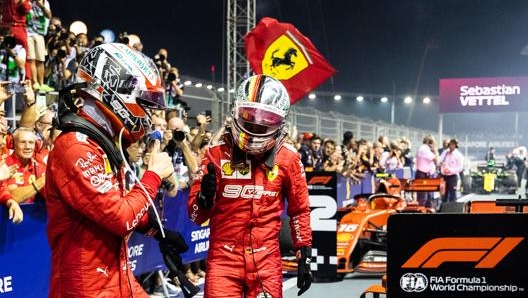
(480, 95)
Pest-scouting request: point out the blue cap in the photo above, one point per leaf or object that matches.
(156, 135)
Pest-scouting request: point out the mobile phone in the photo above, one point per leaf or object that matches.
(14, 87)
(41, 100)
(207, 113)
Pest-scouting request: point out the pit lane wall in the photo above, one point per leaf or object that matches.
(25, 254)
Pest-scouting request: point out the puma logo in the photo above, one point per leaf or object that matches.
(103, 271)
(230, 248)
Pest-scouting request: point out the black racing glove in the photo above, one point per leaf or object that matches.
(173, 261)
(208, 188)
(172, 238)
(304, 274)
(171, 257)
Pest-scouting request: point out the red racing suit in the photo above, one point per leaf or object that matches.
(245, 220)
(89, 219)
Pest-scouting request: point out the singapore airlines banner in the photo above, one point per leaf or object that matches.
(479, 95)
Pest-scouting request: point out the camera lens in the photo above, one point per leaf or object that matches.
(171, 77)
(61, 54)
(178, 135)
(9, 42)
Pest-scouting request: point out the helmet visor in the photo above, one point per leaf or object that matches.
(151, 99)
(258, 121)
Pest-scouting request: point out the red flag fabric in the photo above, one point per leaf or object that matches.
(281, 51)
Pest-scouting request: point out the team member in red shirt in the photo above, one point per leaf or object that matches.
(29, 177)
(248, 176)
(6, 198)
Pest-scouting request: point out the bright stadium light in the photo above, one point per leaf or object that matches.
(427, 100)
(407, 100)
(384, 99)
(360, 98)
(78, 27)
(337, 97)
(198, 85)
(109, 35)
(221, 89)
(312, 96)
(209, 87)
(187, 83)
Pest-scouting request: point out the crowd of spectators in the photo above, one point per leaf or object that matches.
(353, 158)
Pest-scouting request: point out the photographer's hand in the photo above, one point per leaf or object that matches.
(201, 119)
(167, 136)
(4, 94)
(29, 94)
(31, 113)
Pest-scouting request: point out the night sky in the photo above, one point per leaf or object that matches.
(377, 46)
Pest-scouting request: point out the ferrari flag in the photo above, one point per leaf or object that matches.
(281, 51)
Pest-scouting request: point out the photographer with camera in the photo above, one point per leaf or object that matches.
(60, 68)
(174, 88)
(202, 121)
(179, 149)
(13, 59)
(14, 18)
(162, 62)
(12, 69)
(55, 31)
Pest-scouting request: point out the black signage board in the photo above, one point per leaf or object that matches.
(322, 187)
(457, 255)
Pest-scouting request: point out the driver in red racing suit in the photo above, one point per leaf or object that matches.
(89, 214)
(244, 192)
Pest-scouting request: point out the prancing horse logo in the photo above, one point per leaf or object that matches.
(286, 60)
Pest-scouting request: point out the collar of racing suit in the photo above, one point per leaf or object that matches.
(93, 112)
(239, 156)
(74, 122)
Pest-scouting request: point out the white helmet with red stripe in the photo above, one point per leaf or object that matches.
(123, 82)
(259, 113)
